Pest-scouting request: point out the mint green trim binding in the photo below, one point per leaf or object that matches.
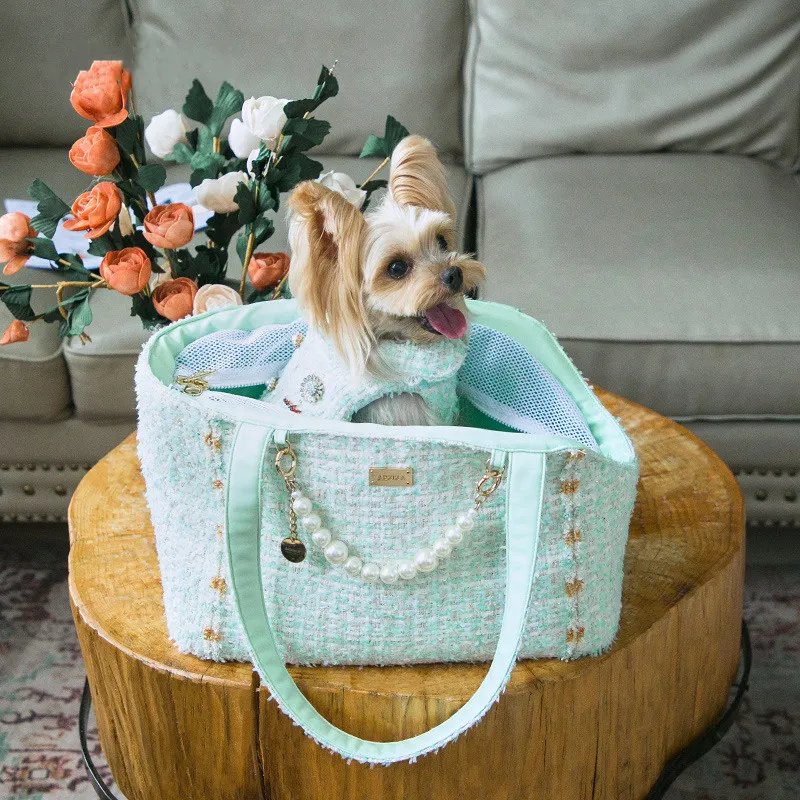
(525, 472)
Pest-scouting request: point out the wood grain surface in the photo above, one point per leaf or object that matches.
(174, 727)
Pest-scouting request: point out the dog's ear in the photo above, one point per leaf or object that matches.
(417, 177)
(325, 233)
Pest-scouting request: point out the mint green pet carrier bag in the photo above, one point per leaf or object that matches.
(532, 492)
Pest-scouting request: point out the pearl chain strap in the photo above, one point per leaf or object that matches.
(336, 552)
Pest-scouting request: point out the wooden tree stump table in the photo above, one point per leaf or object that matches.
(174, 727)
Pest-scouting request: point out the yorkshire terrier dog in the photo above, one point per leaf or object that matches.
(383, 293)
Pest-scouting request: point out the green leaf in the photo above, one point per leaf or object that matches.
(101, 246)
(267, 200)
(73, 270)
(290, 170)
(246, 202)
(393, 134)
(142, 307)
(127, 134)
(80, 315)
(152, 177)
(309, 169)
(288, 177)
(302, 134)
(205, 141)
(261, 160)
(211, 263)
(205, 165)
(264, 228)
(374, 146)
(229, 101)
(384, 145)
(374, 185)
(17, 300)
(181, 154)
(51, 208)
(221, 227)
(52, 314)
(44, 248)
(198, 105)
(241, 246)
(297, 108)
(327, 86)
(206, 265)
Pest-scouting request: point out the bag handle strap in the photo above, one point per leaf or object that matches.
(243, 517)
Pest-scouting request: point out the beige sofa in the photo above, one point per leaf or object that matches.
(627, 170)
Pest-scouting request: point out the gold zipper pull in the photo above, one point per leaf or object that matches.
(196, 384)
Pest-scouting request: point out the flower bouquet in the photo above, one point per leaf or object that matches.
(143, 245)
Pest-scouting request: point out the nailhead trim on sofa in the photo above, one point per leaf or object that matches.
(38, 492)
(772, 496)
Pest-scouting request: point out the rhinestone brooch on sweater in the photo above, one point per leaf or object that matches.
(312, 389)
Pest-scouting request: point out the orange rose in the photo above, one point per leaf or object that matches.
(95, 211)
(96, 153)
(17, 331)
(267, 270)
(127, 270)
(170, 226)
(15, 228)
(175, 299)
(100, 93)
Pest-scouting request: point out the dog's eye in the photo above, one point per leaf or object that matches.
(442, 242)
(398, 269)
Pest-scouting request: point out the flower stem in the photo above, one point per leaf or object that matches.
(171, 270)
(375, 171)
(60, 300)
(251, 245)
(97, 284)
(217, 145)
(279, 288)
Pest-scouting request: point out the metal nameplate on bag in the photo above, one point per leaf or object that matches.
(391, 476)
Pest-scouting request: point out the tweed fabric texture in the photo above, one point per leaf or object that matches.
(319, 614)
(317, 381)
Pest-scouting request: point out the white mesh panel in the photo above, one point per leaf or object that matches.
(499, 376)
(504, 381)
(241, 358)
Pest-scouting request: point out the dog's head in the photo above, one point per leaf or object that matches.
(393, 272)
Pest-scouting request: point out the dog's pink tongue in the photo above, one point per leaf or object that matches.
(448, 321)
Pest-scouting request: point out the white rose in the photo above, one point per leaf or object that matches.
(213, 296)
(218, 193)
(240, 139)
(264, 118)
(345, 185)
(164, 132)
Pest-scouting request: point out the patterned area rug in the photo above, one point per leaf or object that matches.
(41, 676)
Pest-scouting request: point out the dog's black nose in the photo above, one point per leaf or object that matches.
(453, 278)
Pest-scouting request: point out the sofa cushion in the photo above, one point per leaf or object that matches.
(672, 279)
(44, 47)
(702, 75)
(34, 384)
(395, 58)
(101, 371)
